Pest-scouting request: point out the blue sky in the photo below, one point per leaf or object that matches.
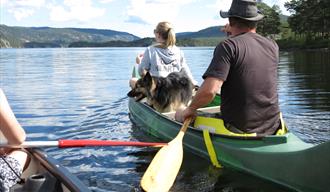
(138, 17)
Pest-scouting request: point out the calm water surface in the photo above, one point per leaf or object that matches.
(81, 94)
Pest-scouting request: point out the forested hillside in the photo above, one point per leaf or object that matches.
(56, 37)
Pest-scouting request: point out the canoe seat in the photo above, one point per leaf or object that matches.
(216, 125)
(205, 110)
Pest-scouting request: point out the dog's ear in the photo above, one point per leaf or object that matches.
(147, 79)
(131, 93)
(147, 76)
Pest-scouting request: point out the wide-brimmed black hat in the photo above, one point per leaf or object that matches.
(244, 9)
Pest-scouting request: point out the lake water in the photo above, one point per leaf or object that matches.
(81, 94)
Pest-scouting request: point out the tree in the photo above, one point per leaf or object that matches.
(270, 25)
(310, 18)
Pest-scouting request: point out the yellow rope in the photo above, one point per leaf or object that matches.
(210, 149)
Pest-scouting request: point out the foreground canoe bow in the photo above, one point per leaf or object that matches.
(46, 174)
(285, 160)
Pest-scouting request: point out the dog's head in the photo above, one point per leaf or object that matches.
(142, 87)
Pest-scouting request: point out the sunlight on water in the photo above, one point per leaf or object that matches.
(81, 94)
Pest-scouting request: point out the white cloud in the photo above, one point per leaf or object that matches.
(28, 3)
(153, 11)
(80, 10)
(223, 5)
(106, 1)
(22, 8)
(20, 13)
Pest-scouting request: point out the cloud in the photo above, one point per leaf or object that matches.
(79, 10)
(223, 5)
(153, 11)
(135, 19)
(20, 13)
(22, 8)
(26, 3)
(106, 1)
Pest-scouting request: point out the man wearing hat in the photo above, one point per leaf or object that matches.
(244, 67)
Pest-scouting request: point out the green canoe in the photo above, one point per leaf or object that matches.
(284, 159)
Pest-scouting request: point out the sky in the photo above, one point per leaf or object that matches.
(138, 17)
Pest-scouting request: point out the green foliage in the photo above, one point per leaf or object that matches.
(46, 36)
(286, 31)
(308, 27)
(310, 18)
(182, 42)
(301, 43)
(41, 45)
(137, 43)
(270, 25)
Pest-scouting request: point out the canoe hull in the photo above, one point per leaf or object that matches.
(285, 160)
(46, 174)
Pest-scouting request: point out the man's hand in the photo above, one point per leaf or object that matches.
(182, 115)
(227, 30)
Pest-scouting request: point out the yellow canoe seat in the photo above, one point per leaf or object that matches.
(215, 125)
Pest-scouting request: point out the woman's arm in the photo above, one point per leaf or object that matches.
(9, 125)
(144, 65)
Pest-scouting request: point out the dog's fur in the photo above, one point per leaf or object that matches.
(164, 94)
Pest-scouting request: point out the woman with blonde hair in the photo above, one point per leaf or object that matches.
(163, 57)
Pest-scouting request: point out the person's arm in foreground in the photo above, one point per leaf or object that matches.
(13, 132)
(9, 125)
(204, 96)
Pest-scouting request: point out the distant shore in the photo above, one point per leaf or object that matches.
(289, 44)
(284, 45)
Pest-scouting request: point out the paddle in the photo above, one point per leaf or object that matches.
(163, 169)
(81, 143)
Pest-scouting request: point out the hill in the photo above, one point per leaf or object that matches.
(57, 37)
(209, 32)
(41, 37)
(210, 36)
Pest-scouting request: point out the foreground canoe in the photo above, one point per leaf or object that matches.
(46, 174)
(284, 159)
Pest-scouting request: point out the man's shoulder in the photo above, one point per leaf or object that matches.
(247, 37)
(228, 43)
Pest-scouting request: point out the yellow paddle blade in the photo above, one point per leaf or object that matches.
(166, 164)
(164, 168)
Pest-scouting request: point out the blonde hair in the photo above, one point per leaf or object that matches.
(166, 31)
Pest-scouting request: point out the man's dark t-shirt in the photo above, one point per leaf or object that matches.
(247, 63)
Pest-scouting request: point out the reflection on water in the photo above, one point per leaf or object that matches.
(81, 94)
(311, 71)
(304, 87)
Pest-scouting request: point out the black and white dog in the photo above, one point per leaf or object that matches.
(165, 94)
